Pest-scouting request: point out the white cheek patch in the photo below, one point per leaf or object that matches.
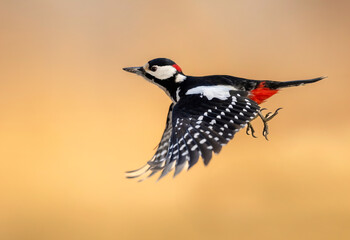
(163, 72)
(221, 92)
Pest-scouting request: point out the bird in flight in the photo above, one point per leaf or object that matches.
(204, 115)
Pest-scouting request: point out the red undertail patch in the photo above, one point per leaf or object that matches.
(177, 67)
(261, 93)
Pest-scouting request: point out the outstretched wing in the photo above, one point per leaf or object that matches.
(197, 126)
(158, 159)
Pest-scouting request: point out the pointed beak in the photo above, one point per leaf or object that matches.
(136, 70)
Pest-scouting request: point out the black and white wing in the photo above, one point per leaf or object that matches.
(196, 127)
(157, 161)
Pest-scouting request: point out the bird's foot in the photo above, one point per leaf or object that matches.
(250, 127)
(267, 118)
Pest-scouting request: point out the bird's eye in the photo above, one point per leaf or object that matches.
(153, 68)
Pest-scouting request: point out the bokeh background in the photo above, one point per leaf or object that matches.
(71, 121)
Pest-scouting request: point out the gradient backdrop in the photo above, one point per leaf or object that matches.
(71, 121)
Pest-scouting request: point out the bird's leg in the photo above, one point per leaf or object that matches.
(250, 127)
(265, 119)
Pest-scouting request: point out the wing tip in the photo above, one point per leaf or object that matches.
(138, 172)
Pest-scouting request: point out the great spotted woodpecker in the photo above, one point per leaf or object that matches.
(205, 113)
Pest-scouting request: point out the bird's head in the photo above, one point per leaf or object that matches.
(159, 71)
(164, 73)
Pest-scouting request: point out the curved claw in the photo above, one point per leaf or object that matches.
(266, 138)
(276, 112)
(250, 127)
(268, 118)
(267, 115)
(266, 131)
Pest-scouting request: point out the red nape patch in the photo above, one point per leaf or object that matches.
(261, 93)
(177, 68)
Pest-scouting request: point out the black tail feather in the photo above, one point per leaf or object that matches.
(278, 85)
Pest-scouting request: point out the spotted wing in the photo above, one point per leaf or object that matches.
(157, 161)
(201, 126)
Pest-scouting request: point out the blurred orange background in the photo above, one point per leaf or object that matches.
(71, 121)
